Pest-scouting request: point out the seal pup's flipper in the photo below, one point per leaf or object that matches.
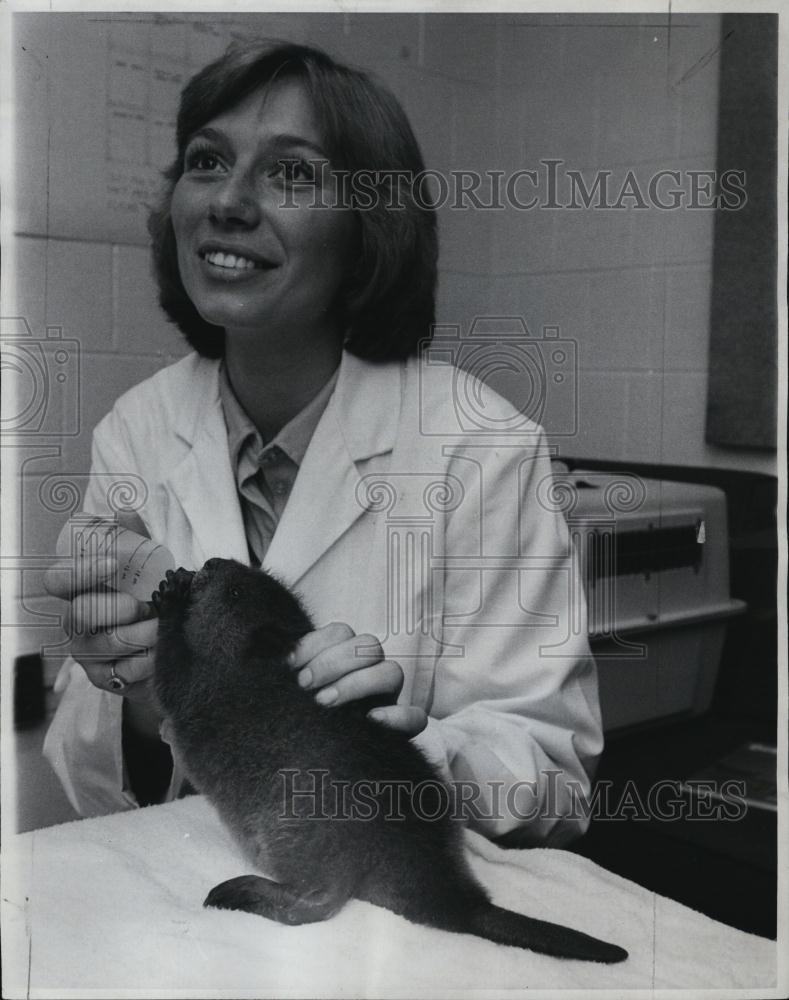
(254, 894)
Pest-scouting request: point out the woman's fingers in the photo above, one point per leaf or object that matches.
(408, 719)
(126, 641)
(340, 667)
(68, 577)
(135, 673)
(384, 678)
(95, 610)
(90, 566)
(328, 654)
(343, 661)
(112, 635)
(322, 639)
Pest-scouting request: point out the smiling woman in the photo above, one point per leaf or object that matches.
(309, 123)
(308, 434)
(269, 276)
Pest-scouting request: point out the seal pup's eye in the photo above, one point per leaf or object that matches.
(235, 592)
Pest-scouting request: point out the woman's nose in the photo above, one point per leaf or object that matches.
(233, 202)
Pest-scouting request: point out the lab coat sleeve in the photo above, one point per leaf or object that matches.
(515, 720)
(84, 740)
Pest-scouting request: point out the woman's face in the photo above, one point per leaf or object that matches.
(253, 250)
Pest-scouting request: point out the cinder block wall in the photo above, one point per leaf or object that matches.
(631, 286)
(483, 93)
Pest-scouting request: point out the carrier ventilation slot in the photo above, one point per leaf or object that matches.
(633, 553)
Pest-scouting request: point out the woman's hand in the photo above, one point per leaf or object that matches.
(113, 635)
(341, 666)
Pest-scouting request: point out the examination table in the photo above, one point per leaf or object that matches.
(113, 906)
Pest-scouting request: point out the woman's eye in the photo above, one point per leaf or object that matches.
(203, 159)
(294, 170)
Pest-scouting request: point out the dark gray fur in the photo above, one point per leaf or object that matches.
(241, 722)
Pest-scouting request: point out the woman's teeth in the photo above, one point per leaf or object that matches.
(230, 260)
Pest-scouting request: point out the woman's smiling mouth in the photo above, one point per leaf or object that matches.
(219, 259)
(228, 265)
(232, 261)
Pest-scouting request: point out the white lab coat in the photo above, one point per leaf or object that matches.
(437, 539)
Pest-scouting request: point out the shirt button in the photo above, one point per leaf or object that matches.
(280, 489)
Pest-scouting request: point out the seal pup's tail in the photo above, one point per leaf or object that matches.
(507, 927)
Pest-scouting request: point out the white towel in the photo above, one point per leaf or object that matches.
(113, 907)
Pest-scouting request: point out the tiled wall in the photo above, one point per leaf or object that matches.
(631, 288)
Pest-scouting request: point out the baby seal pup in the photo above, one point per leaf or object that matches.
(253, 742)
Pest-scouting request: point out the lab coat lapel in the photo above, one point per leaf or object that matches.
(321, 506)
(204, 486)
(360, 421)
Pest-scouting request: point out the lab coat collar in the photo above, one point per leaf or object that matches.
(359, 422)
(366, 405)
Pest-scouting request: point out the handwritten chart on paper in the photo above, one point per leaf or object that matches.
(96, 99)
(147, 66)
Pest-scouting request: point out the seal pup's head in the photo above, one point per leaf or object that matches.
(234, 609)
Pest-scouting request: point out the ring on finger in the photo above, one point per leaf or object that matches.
(116, 683)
